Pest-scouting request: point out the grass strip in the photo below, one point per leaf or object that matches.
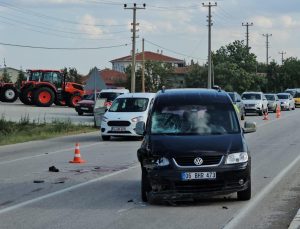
(24, 130)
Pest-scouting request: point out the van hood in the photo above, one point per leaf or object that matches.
(125, 115)
(172, 146)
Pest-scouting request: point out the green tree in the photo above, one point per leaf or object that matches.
(196, 77)
(21, 77)
(235, 68)
(156, 74)
(290, 73)
(6, 78)
(74, 75)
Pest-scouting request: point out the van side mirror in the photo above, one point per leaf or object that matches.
(140, 128)
(249, 127)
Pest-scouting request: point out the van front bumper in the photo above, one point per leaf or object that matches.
(167, 184)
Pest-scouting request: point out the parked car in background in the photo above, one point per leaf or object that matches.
(273, 102)
(121, 118)
(286, 101)
(295, 92)
(292, 91)
(194, 147)
(237, 101)
(86, 105)
(297, 98)
(110, 95)
(255, 102)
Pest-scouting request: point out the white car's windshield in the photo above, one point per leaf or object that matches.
(270, 97)
(251, 96)
(194, 119)
(129, 105)
(283, 96)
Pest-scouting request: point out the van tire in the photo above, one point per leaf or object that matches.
(245, 194)
(145, 185)
(105, 138)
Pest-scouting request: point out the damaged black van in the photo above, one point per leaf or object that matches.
(194, 147)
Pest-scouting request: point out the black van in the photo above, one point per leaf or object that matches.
(194, 147)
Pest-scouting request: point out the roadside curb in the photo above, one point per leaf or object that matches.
(295, 224)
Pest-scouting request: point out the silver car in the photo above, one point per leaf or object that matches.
(287, 101)
(273, 102)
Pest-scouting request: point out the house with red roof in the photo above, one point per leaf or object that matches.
(112, 78)
(120, 64)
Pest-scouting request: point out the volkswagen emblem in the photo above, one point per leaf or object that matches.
(198, 161)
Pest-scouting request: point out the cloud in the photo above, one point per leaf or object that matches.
(88, 26)
(147, 26)
(263, 22)
(288, 22)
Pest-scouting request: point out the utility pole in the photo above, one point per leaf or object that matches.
(133, 30)
(143, 65)
(209, 5)
(247, 32)
(282, 53)
(267, 47)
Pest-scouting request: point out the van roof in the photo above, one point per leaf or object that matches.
(201, 95)
(120, 90)
(138, 95)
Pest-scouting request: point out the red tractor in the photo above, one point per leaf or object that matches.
(45, 87)
(8, 92)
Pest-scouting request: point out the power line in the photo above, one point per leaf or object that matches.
(47, 33)
(247, 32)
(56, 30)
(170, 50)
(36, 14)
(267, 47)
(209, 5)
(134, 30)
(282, 53)
(60, 48)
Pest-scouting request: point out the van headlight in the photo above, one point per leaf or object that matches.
(162, 161)
(104, 119)
(137, 119)
(235, 158)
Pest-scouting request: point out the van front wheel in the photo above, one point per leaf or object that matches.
(245, 194)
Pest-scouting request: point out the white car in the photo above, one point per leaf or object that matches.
(287, 101)
(124, 113)
(255, 102)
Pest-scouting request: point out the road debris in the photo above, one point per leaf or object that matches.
(53, 169)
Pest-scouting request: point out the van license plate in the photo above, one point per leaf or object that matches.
(119, 129)
(198, 176)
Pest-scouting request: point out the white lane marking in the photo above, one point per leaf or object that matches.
(71, 188)
(46, 153)
(236, 220)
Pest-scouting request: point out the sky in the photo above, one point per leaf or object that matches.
(88, 33)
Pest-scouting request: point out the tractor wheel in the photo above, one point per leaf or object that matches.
(43, 97)
(9, 94)
(73, 100)
(26, 96)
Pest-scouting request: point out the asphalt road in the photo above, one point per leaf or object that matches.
(17, 111)
(105, 191)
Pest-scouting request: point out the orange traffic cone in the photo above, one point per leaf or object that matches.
(77, 156)
(278, 112)
(266, 116)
